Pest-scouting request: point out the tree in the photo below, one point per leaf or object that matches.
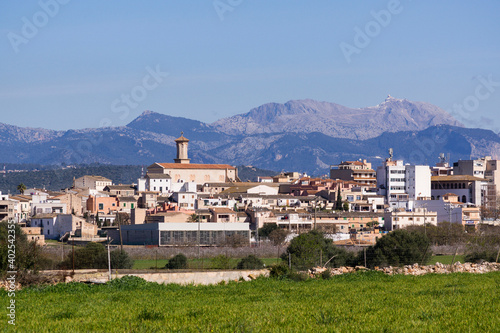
(266, 230)
(21, 188)
(313, 249)
(26, 252)
(345, 206)
(193, 218)
(278, 236)
(250, 262)
(95, 255)
(179, 261)
(400, 247)
(338, 204)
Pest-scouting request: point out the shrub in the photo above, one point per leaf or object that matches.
(313, 249)
(26, 253)
(250, 262)
(398, 248)
(278, 236)
(221, 262)
(279, 271)
(266, 230)
(95, 255)
(179, 261)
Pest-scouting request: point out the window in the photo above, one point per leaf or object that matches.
(101, 206)
(124, 205)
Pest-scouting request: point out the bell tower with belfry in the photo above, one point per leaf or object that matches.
(182, 150)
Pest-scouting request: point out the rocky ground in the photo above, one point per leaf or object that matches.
(416, 269)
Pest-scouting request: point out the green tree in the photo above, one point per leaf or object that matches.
(179, 261)
(266, 230)
(345, 206)
(338, 204)
(21, 188)
(193, 218)
(313, 249)
(278, 236)
(400, 247)
(250, 262)
(95, 255)
(26, 253)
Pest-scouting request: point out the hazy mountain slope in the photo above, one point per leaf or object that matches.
(306, 116)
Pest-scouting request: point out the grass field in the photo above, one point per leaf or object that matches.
(206, 263)
(359, 302)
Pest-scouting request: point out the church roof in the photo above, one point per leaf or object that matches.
(195, 166)
(182, 138)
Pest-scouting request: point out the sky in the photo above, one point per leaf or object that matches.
(85, 64)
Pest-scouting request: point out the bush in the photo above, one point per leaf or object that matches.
(95, 255)
(179, 261)
(398, 248)
(278, 236)
(279, 271)
(266, 230)
(221, 262)
(313, 249)
(250, 262)
(26, 253)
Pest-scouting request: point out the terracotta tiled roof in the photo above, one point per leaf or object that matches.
(195, 166)
(455, 178)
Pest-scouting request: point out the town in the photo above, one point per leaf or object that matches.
(183, 203)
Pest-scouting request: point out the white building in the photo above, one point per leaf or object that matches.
(402, 184)
(400, 219)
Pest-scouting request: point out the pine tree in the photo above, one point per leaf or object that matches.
(338, 205)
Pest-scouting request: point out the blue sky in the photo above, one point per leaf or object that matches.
(224, 57)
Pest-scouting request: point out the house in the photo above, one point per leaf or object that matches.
(97, 183)
(400, 218)
(102, 205)
(359, 171)
(42, 204)
(6, 209)
(120, 190)
(186, 200)
(55, 226)
(34, 234)
(126, 204)
(223, 215)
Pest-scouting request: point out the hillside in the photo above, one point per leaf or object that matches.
(307, 116)
(304, 136)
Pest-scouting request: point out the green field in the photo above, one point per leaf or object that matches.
(447, 259)
(206, 263)
(371, 302)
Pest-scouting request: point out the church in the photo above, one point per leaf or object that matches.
(161, 177)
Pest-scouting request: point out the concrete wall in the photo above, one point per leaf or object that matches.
(183, 278)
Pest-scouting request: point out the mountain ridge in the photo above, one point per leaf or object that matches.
(150, 138)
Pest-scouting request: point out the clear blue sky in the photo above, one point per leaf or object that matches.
(85, 55)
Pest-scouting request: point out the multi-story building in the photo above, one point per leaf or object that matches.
(92, 182)
(358, 171)
(402, 184)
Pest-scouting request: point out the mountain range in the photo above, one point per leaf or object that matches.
(300, 135)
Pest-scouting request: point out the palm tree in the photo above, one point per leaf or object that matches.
(21, 188)
(194, 218)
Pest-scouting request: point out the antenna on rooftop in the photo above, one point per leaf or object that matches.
(442, 159)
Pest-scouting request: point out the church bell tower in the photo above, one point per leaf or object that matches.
(182, 150)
